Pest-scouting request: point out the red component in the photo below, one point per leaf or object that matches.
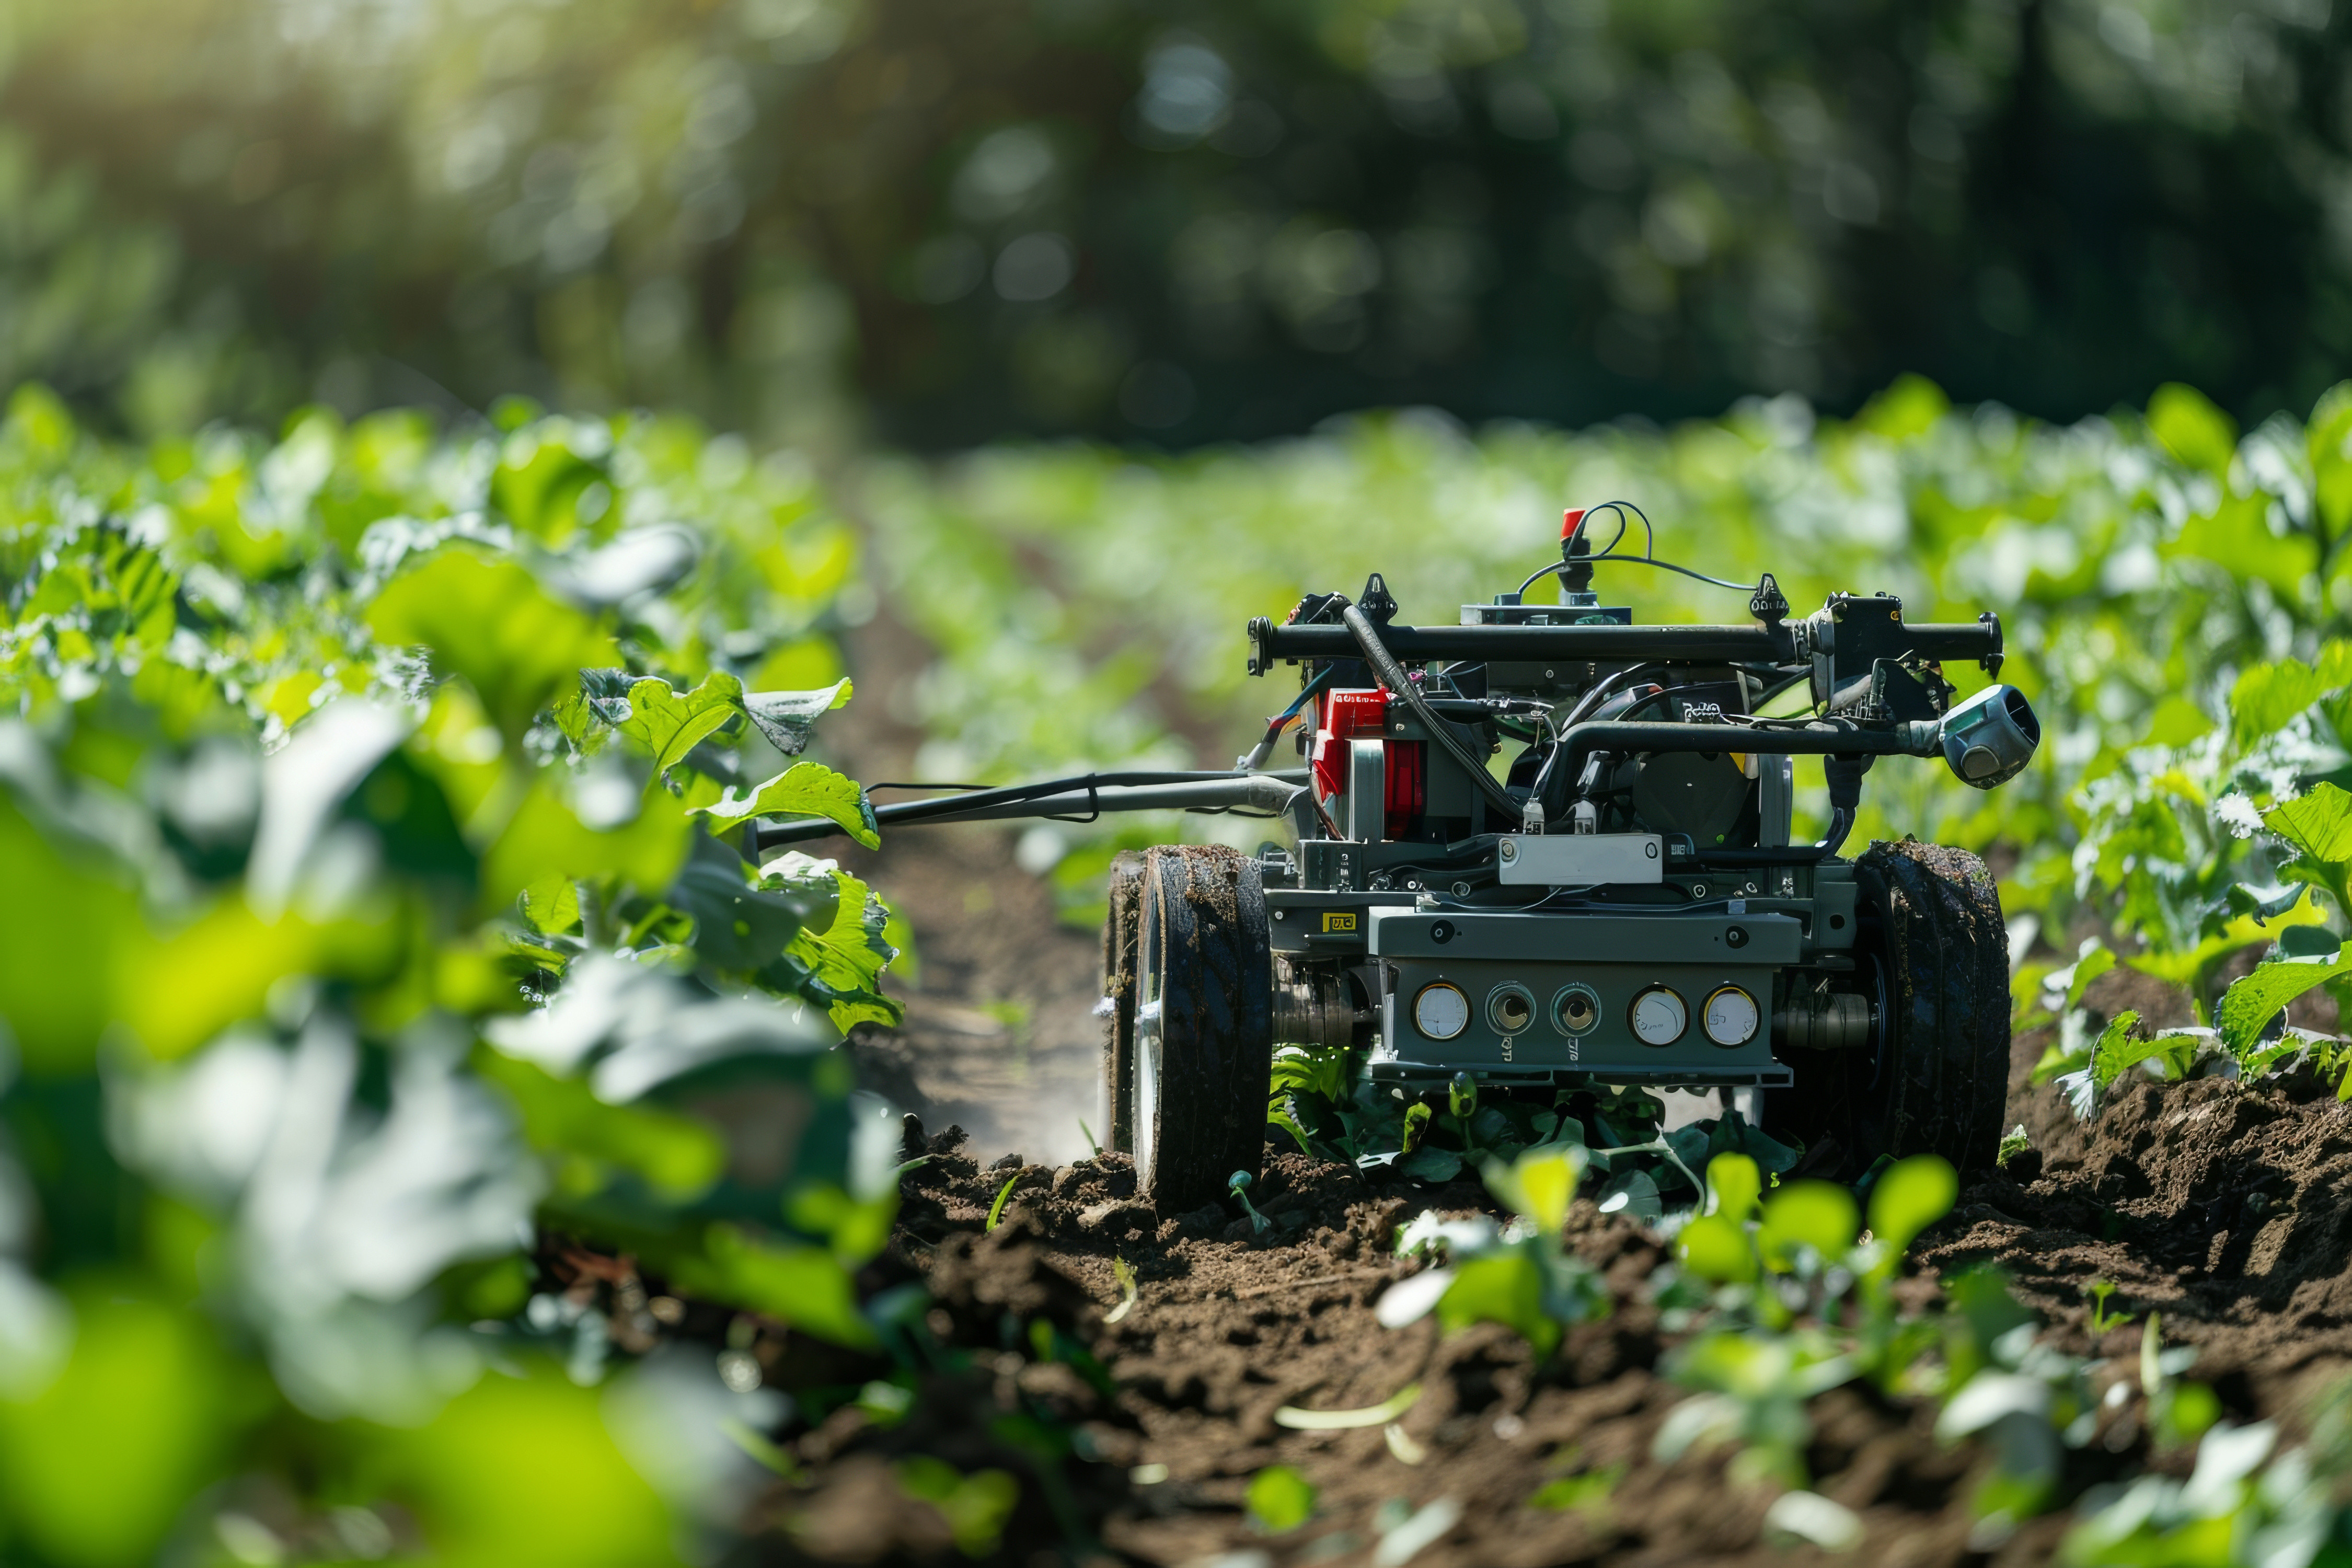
(1568, 522)
(1408, 784)
(1340, 717)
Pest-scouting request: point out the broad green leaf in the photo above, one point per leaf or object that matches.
(2254, 999)
(99, 1464)
(2184, 966)
(222, 967)
(1631, 1193)
(1279, 1499)
(523, 1467)
(1538, 1184)
(551, 905)
(1909, 1196)
(70, 932)
(805, 789)
(1429, 1164)
(539, 484)
(487, 621)
(739, 925)
(1733, 1185)
(680, 1157)
(545, 838)
(2088, 968)
(2176, 723)
(2191, 428)
(806, 1287)
(2319, 828)
(1505, 1288)
(847, 955)
(788, 718)
(667, 724)
(1816, 1214)
(2269, 694)
(2237, 537)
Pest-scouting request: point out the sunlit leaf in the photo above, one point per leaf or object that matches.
(805, 789)
(488, 621)
(1909, 1196)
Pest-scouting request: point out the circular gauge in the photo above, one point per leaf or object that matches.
(1576, 1009)
(1659, 1016)
(1511, 1009)
(1730, 1016)
(1441, 1011)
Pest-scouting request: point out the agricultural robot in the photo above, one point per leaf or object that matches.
(1621, 904)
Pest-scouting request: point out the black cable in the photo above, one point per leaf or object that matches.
(1391, 675)
(1649, 556)
(1634, 561)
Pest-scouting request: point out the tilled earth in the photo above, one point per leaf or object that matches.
(2220, 1206)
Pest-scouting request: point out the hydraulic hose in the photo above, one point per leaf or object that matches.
(1392, 675)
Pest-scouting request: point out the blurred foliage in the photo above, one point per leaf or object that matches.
(306, 800)
(965, 218)
(1088, 603)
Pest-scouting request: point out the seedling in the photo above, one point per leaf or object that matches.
(996, 1209)
(2099, 1290)
(1129, 1294)
(1239, 1187)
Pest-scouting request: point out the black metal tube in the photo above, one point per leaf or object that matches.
(1689, 644)
(1915, 739)
(1083, 793)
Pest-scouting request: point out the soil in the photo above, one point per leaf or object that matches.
(2224, 1207)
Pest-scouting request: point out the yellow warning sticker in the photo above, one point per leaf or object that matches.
(1337, 919)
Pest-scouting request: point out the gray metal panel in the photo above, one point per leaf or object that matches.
(1665, 939)
(1609, 1050)
(1580, 859)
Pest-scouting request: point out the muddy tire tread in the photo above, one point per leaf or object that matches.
(1948, 983)
(1207, 920)
(1122, 932)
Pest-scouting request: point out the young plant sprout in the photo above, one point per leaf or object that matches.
(1239, 1187)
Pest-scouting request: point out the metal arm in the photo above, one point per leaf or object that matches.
(1084, 796)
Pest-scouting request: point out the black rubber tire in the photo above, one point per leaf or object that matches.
(1204, 1042)
(1122, 930)
(1933, 939)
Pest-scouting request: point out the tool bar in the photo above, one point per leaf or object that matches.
(1692, 643)
(1083, 796)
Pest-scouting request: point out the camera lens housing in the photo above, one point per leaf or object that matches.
(1989, 737)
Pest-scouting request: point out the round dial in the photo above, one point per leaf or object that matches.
(1576, 1009)
(1730, 1017)
(1441, 1011)
(1659, 1016)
